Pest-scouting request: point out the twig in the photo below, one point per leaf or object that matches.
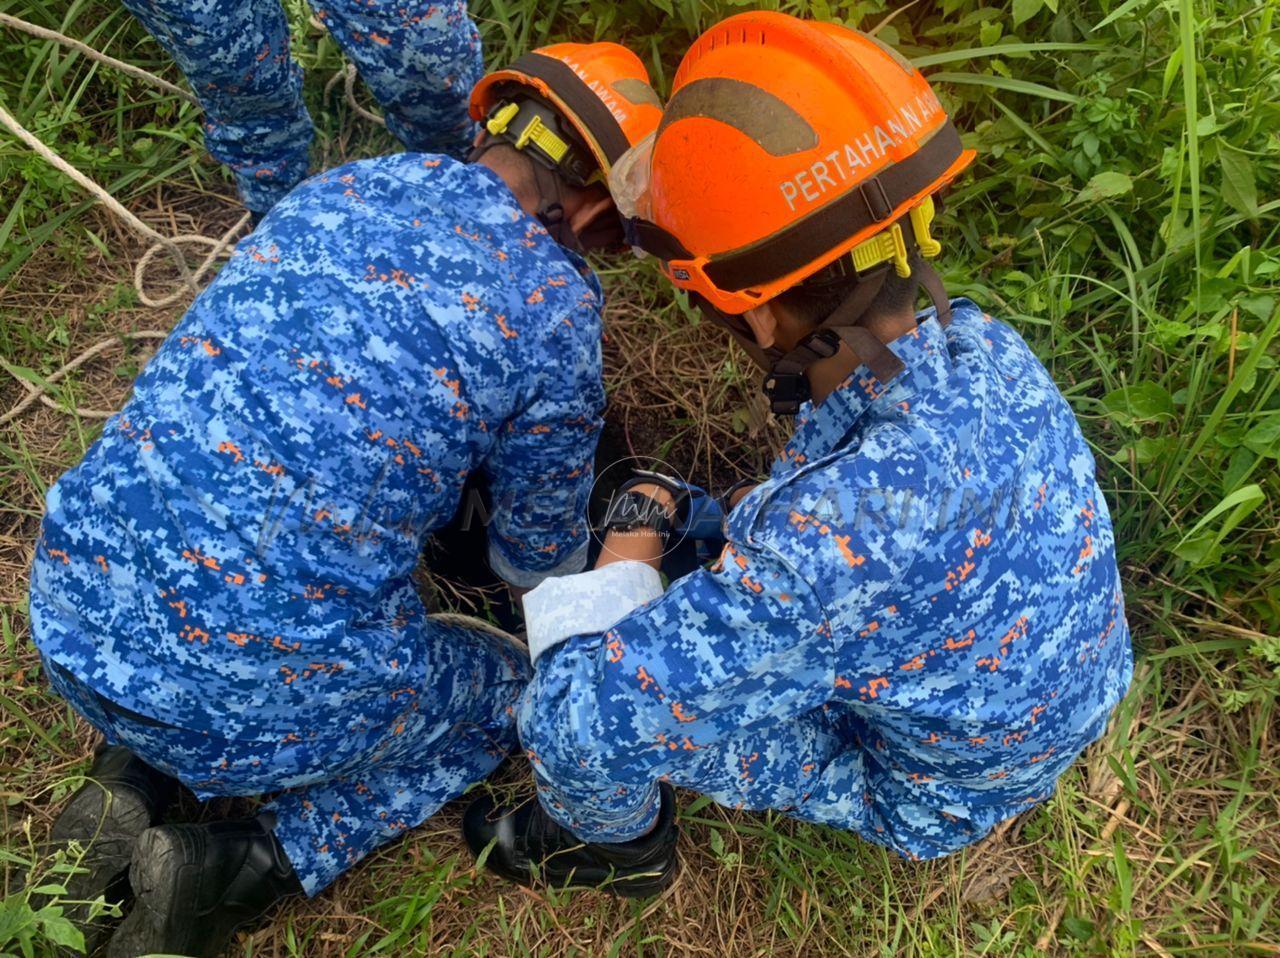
(1051, 929)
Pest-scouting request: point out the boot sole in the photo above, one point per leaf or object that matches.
(108, 825)
(155, 876)
(161, 881)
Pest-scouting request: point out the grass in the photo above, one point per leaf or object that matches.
(1123, 215)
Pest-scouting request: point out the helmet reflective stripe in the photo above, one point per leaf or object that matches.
(755, 112)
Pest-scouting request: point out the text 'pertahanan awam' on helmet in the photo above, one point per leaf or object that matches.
(785, 145)
(602, 92)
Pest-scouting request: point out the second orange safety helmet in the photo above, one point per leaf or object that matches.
(600, 89)
(785, 145)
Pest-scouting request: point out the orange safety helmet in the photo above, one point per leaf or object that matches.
(785, 145)
(601, 90)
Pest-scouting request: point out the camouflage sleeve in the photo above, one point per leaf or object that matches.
(740, 645)
(540, 470)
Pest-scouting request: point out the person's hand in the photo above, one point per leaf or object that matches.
(738, 493)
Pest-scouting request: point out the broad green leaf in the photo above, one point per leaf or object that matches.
(1024, 10)
(1144, 450)
(1105, 185)
(1264, 438)
(1140, 402)
(16, 917)
(60, 931)
(1239, 185)
(1238, 467)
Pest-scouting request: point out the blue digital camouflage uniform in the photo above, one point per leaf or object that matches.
(420, 60)
(915, 627)
(231, 561)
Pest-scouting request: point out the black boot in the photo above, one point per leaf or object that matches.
(197, 884)
(529, 846)
(105, 817)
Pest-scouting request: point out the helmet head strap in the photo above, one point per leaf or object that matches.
(604, 232)
(786, 384)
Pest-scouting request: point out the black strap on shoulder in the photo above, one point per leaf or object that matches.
(931, 283)
(577, 96)
(870, 202)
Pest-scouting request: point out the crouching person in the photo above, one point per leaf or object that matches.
(222, 587)
(917, 622)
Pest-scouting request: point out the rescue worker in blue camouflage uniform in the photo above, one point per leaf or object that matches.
(420, 60)
(222, 586)
(916, 624)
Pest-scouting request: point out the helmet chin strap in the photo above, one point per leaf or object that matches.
(550, 211)
(786, 384)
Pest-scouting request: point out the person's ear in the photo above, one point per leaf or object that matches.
(764, 324)
(587, 212)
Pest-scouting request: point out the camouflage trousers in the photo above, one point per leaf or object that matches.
(420, 60)
(336, 801)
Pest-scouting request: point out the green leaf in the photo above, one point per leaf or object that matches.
(1080, 929)
(1003, 50)
(1105, 185)
(717, 843)
(16, 918)
(1140, 402)
(1200, 547)
(1146, 449)
(1239, 185)
(1238, 467)
(60, 931)
(1005, 83)
(50, 890)
(1264, 438)
(1024, 10)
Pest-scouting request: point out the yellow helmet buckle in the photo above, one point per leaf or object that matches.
(541, 136)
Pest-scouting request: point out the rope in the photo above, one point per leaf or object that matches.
(114, 205)
(190, 281)
(41, 393)
(219, 247)
(88, 51)
(348, 78)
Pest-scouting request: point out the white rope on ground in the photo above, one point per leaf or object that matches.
(83, 48)
(41, 393)
(34, 393)
(114, 205)
(219, 245)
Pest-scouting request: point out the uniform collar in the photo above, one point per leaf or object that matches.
(819, 430)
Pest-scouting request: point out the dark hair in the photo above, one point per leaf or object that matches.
(819, 296)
